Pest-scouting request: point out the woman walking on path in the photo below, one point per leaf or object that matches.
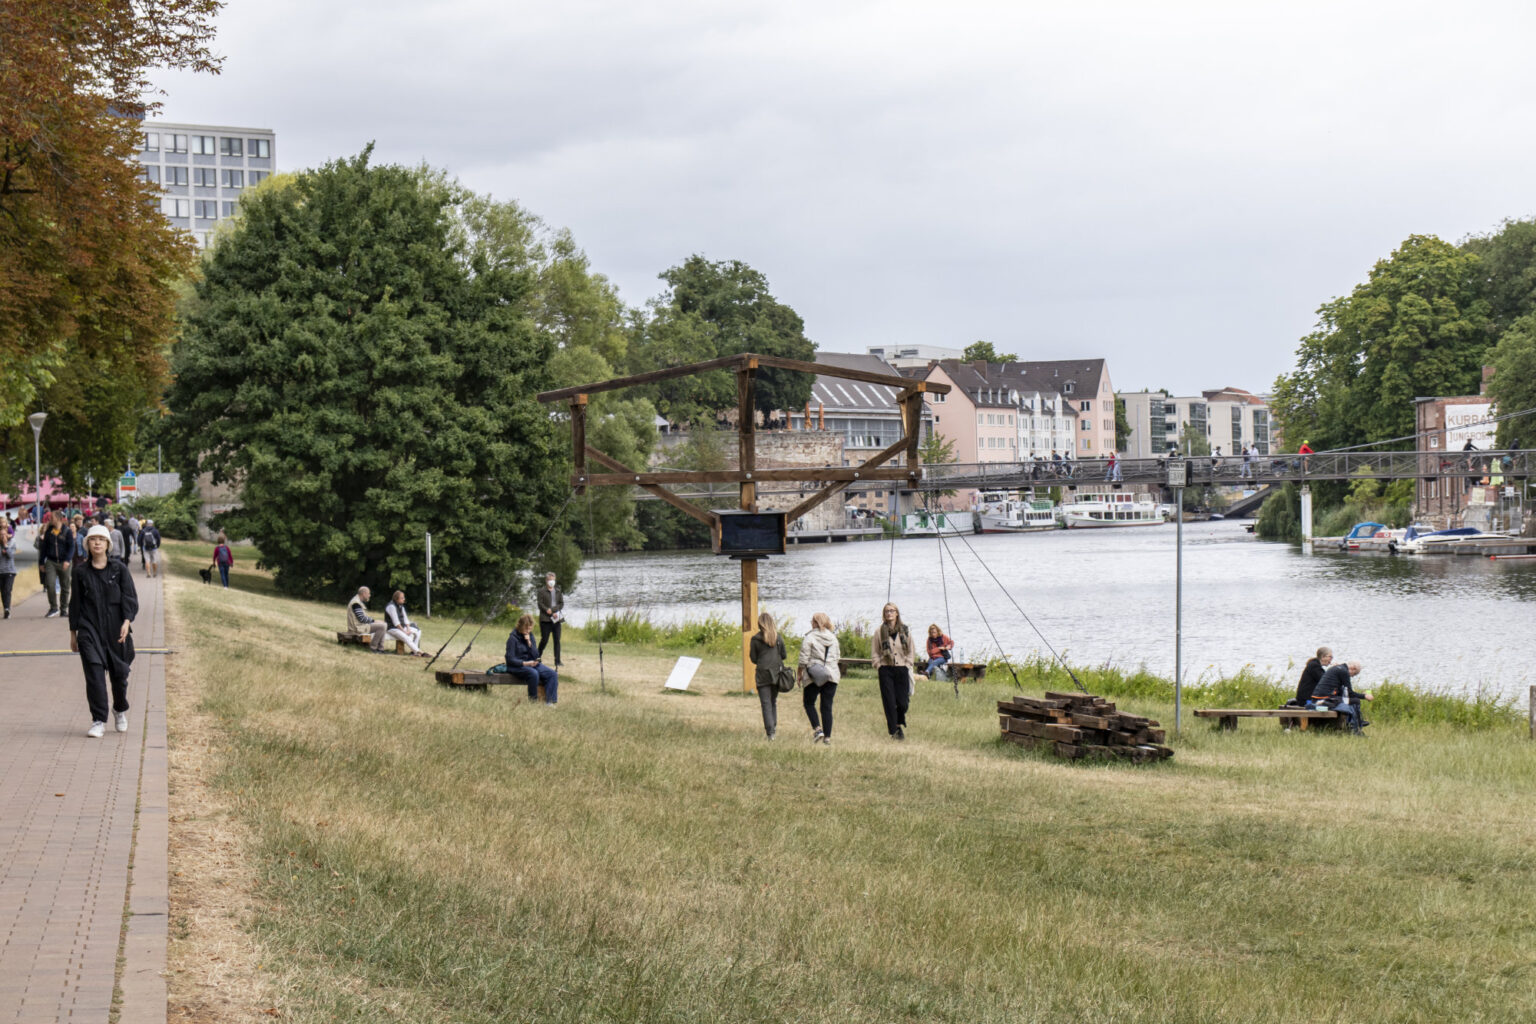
(768, 654)
(223, 558)
(101, 615)
(819, 655)
(893, 655)
(7, 564)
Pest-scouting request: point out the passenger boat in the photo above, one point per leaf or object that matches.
(999, 512)
(931, 524)
(1111, 508)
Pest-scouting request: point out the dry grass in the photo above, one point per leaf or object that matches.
(428, 855)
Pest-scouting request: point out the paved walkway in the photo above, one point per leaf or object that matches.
(68, 810)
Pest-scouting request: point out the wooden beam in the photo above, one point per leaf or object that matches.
(865, 472)
(703, 515)
(648, 377)
(743, 360)
(845, 474)
(746, 433)
(912, 423)
(579, 438)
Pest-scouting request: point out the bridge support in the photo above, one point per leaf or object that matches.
(1306, 515)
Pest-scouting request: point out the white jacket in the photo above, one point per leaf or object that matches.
(820, 645)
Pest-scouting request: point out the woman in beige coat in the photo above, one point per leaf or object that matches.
(893, 656)
(819, 656)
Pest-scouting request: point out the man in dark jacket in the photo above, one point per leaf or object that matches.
(56, 552)
(1312, 673)
(1334, 692)
(551, 615)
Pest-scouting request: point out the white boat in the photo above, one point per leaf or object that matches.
(1092, 510)
(931, 524)
(1005, 513)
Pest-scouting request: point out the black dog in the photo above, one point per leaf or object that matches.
(206, 574)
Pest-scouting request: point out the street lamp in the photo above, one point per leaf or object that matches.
(36, 419)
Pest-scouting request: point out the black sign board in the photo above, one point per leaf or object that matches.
(750, 534)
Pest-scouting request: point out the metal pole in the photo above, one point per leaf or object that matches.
(429, 574)
(37, 474)
(159, 469)
(1178, 617)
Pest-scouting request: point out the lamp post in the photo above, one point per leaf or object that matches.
(36, 419)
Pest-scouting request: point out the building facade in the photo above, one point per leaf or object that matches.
(912, 357)
(1451, 425)
(202, 170)
(1229, 419)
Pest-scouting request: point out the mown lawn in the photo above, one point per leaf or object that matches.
(422, 854)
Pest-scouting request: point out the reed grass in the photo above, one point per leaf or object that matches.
(424, 854)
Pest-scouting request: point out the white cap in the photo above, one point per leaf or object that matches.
(99, 531)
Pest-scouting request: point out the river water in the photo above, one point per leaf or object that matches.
(1438, 622)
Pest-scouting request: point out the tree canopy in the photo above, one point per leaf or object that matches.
(87, 263)
(356, 359)
(984, 351)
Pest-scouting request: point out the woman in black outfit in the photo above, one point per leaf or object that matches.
(101, 613)
(768, 654)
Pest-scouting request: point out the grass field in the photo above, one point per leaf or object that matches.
(417, 854)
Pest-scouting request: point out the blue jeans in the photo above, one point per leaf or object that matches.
(1350, 711)
(224, 574)
(533, 675)
(939, 664)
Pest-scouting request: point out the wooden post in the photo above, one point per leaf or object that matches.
(1532, 706)
(579, 439)
(746, 429)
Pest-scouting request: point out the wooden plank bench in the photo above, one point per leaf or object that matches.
(844, 664)
(1227, 717)
(365, 639)
(480, 681)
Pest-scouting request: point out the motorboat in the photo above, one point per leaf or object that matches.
(926, 523)
(1005, 513)
(1417, 542)
(1360, 531)
(1092, 510)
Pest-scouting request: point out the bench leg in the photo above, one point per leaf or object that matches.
(1305, 722)
(1227, 723)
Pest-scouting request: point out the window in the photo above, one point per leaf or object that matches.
(1433, 489)
(206, 208)
(231, 147)
(980, 419)
(261, 148)
(1434, 440)
(1087, 405)
(1109, 424)
(152, 174)
(151, 142)
(175, 175)
(229, 209)
(232, 179)
(256, 178)
(204, 145)
(175, 143)
(1066, 388)
(205, 177)
(1083, 444)
(176, 207)
(1010, 419)
(1087, 425)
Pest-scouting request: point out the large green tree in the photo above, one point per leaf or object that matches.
(1513, 387)
(714, 309)
(984, 352)
(1508, 271)
(1419, 326)
(358, 365)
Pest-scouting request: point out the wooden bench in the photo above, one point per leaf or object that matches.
(844, 664)
(1227, 717)
(354, 638)
(480, 681)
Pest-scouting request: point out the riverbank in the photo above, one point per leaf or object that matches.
(416, 853)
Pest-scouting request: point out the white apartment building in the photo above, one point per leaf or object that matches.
(1228, 418)
(202, 170)
(909, 357)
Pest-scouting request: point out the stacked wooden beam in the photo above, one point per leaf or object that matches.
(1080, 725)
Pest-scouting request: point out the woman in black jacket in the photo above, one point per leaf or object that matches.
(768, 654)
(101, 614)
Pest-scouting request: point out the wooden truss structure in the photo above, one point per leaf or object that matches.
(747, 476)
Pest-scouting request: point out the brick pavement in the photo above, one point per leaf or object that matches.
(67, 817)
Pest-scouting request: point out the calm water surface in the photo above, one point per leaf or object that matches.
(1439, 622)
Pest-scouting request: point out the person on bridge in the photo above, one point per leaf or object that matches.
(101, 618)
(1112, 470)
(893, 656)
(1304, 451)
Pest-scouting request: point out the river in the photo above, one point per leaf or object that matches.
(1438, 622)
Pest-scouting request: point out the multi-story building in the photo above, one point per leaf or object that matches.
(1154, 423)
(910, 357)
(1228, 418)
(1086, 395)
(1450, 425)
(202, 170)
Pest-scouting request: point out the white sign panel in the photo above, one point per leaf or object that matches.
(682, 672)
(1469, 422)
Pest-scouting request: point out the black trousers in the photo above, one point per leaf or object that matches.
(6, 582)
(826, 691)
(547, 630)
(96, 690)
(895, 692)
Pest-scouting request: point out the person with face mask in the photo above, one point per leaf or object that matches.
(551, 615)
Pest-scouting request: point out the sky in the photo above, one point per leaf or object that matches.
(1173, 186)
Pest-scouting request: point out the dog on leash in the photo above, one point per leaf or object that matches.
(206, 574)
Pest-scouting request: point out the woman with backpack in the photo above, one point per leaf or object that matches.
(893, 655)
(768, 654)
(819, 656)
(223, 558)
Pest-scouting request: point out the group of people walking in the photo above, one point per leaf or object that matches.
(61, 547)
(892, 653)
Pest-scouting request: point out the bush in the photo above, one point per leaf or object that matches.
(175, 515)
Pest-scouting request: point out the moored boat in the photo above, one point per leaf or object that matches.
(1095, 510)
(926, 523)
(998, 512)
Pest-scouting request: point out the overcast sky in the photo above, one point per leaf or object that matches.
(1174, 186)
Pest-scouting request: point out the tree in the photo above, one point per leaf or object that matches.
(714, 309)
(367, 374)
(1418, 326)
(982, 351)
(1122, 426)
(1513, 387)
(86, 261)
(1193, 442)
(1507, 261)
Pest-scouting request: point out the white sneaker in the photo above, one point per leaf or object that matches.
(97, 730)
(120, 721)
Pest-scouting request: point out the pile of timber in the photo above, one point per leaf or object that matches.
(1080, 725)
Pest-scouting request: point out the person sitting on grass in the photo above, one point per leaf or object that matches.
(363, 624)
(523, 662)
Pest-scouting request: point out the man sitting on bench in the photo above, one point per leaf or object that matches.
(401, 627)
(1334, 692)
(361, 623)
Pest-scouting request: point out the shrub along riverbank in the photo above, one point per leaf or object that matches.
(416, 853)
